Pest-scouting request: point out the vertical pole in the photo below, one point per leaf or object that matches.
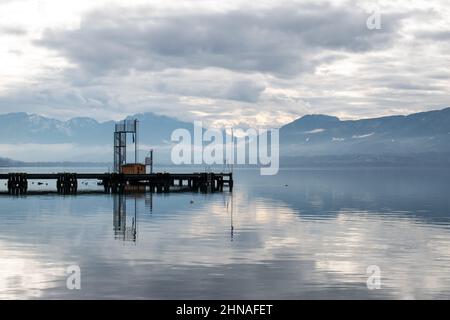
(151, 161)
(136, 144)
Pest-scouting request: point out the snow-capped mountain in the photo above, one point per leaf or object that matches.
(312, 135)
(324, 135)
(32, 128)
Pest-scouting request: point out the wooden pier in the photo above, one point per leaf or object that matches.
(67, 183)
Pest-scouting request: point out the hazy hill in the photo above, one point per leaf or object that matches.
(6, 162)
(414, 138)
(324, 135)
(32, 128)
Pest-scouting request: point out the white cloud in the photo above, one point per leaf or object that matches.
(315, 131)
(362, 136)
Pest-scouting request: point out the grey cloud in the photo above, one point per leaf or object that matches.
(440, 75)
(441, 35)
(61, 102)
(244, 90)
(13, 30)
(397, 82)
(210, 83)
(282, 41)
(247, 91)
(413, 86)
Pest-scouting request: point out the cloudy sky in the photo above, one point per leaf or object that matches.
(244, 63)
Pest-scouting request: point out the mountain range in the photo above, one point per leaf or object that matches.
(32, 128)
(422, 132)
(312, 136)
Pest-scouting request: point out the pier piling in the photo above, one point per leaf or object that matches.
(67, 183)
(17, 183)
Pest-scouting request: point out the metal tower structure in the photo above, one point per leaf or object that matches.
(149, 161)
(120, 142)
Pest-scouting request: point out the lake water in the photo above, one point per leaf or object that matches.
(305, 233)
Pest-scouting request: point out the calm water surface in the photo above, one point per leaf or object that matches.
(305, 233)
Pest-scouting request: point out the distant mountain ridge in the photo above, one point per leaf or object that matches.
(31, 128)
(324, 135)
(6, 162)
(309, 136)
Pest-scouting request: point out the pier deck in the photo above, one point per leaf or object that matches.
(67, 183)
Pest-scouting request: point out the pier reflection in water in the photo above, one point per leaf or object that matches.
(126, 213)
(123, 229)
